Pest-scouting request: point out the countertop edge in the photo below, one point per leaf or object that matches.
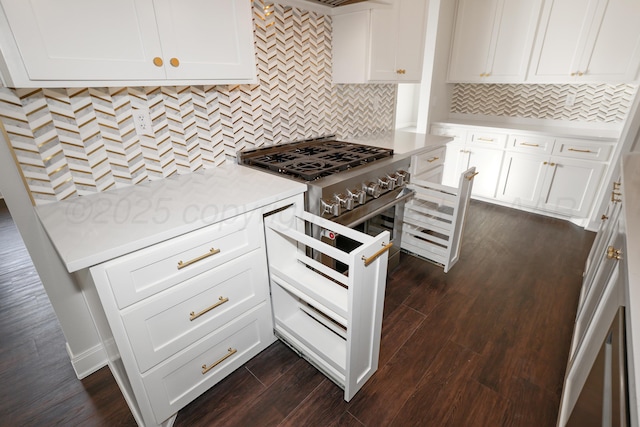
(84, 244)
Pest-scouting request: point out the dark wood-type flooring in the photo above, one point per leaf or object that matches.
(484, 345)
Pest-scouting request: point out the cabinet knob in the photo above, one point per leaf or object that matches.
(401, 71)
(157, 61)
(550, 164)
(174, 62)
(613, 253)
(482, 74)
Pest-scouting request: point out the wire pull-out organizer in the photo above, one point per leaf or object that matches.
(327, 303)
(434, 219)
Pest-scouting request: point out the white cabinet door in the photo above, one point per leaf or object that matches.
(570, 186)
(85, 40)
(409, 48)
(209, 40)
(521, 179)
(488, 163)
(382, 44)
(612, 53)
(492, 40)
(472, 39)
(595, 40)
(125, 42)
(456, 162)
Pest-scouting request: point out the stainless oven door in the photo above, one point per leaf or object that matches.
(385, 213)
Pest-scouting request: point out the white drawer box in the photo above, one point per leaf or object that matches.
(488, 139)
(458, 134)
(176, 382)
(148, 271)
(579, 149)
(162, 325)
(425, 163)
(531, 144)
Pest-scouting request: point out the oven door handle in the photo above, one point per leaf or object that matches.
(402, 197)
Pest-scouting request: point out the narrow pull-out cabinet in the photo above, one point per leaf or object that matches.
(327, 302)
(434, 219)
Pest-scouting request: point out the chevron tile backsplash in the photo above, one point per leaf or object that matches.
(593, 102)
(73, 142)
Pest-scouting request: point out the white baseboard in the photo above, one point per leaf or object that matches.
(89, 361)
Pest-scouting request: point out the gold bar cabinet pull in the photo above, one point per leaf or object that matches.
(527, 144)
(433, 159)
(230, 353)
(473, 175)
(211, 252)
(579, 151)
(375, 256)
(193, 315)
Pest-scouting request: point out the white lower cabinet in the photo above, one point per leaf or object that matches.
(487, 162)
(329, 311)
(595, 385)
(179, 316)
(547, 174)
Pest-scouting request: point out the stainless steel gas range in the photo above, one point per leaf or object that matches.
(359, 186)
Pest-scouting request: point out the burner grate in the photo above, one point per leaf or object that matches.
(313, 159)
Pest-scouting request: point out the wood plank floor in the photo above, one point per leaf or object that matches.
(484, 345)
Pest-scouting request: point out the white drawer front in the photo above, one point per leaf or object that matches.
(458, 134)
(162, 325)
(146, 272)
(175, 383)
(531, 144)
(579, 149)
(488, 139)
(428, 161)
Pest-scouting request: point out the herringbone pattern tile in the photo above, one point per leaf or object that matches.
(593, 103)
(72, 142)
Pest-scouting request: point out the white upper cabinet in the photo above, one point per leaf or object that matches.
(581, 41)
(382, 44)
(492, 40)
(81, 43)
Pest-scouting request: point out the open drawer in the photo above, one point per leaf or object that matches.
(331, 315)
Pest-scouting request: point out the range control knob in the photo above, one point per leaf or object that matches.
(402, 177)
(330, 207)
(372, 189)
(358, 196)
(345, 202)
(386, 184)
(393, 181)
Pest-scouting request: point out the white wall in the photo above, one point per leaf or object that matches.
(435, 93)
(407, 105)
(83, 343)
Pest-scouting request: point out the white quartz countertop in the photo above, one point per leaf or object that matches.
(403, 142)
(572, 130)
(92, 229)
(631, 206)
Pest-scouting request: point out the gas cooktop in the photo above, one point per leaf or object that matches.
(312, 159)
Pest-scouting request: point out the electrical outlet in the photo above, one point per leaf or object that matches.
(142, 121)
(570, 99)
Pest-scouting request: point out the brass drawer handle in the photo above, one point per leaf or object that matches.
(433, 159)
(473, 175)
(580, 151)
(375, 256)
(526, 144)
(486, 139)
(614, 198)
(211, 252)
(550, 164)
(193, 316)
(230, 353)
(613, 253)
